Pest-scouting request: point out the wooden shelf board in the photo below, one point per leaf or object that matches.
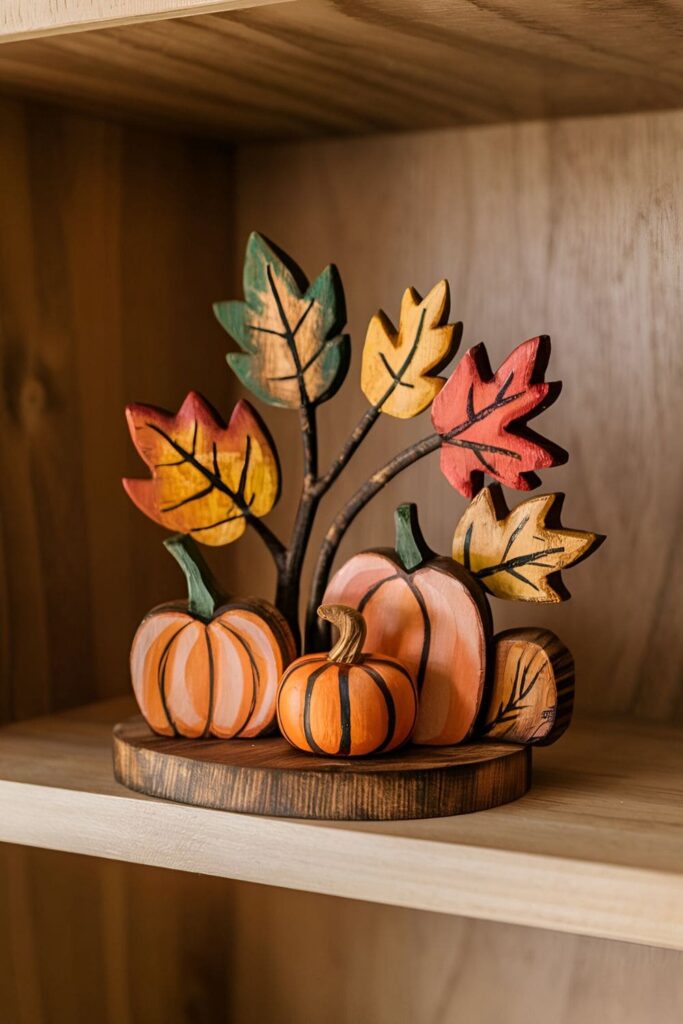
(40, 18)
(595, 848)
(305, 68)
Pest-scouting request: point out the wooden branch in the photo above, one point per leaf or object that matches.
(328, 549)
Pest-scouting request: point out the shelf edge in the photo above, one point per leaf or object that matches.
(559, 894)
(45, 18)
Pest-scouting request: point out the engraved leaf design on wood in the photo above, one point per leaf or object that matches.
(293, 353)
(400, 370)
(482, 419)
(519, 554)
(207, 478)
(531, 695)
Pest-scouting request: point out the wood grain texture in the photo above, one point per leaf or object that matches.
(315, 67)
(532, 688)
(601, 823)
(573, 228)
(271, 777)
(43, 18)
(173, 946)
(96, 288)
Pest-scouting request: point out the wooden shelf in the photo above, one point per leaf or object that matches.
(302, 68)
(46, 18)
(595, 848)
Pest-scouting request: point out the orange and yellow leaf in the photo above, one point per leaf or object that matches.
(207, 478)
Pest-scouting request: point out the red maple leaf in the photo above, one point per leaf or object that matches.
(482, 419)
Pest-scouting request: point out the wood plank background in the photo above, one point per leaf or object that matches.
(113, 244)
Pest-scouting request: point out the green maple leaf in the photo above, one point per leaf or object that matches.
(293, 353)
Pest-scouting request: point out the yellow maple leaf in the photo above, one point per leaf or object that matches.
(400, 370)
(519, 554)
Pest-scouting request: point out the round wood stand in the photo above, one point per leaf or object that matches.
(267, 776)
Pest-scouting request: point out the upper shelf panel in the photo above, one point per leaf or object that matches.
(302, 68)
(21, 20)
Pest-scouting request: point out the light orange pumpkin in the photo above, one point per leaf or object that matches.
(201, 670)
(345, 703)
(430, 614)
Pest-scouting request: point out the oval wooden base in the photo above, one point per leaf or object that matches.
(267, 776)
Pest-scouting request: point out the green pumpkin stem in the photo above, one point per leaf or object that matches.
(203, 593)
(351, 625)
(411, 547)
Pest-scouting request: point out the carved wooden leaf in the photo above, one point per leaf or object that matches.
(519, 554)
(292, 351)
(400, 371)
(482, 419)
(207, 479)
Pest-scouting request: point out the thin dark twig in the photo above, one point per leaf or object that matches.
(369, 417)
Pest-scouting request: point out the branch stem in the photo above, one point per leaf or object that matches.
(335, 534)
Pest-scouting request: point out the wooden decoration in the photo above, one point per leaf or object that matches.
(429, 614)
(207, 479)
(202, 670)
(400, 371)
(346, 704)
(292, 352)
(518, 555)
(532, 693)
(211, 669)
(269, 776)
(481, 418)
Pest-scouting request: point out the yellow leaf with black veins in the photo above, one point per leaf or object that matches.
(519, 554)
(400, 370)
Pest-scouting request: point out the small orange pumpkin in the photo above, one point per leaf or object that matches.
(346, 704)
(199, 670)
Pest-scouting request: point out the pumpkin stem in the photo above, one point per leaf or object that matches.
(203, 593)
(351, 626)
(411, 547)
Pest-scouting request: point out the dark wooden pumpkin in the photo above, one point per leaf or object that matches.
(345, 703)
(430, 614)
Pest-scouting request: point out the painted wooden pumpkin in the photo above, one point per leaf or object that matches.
(345, 703)
(201, 670)
(430, 614)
